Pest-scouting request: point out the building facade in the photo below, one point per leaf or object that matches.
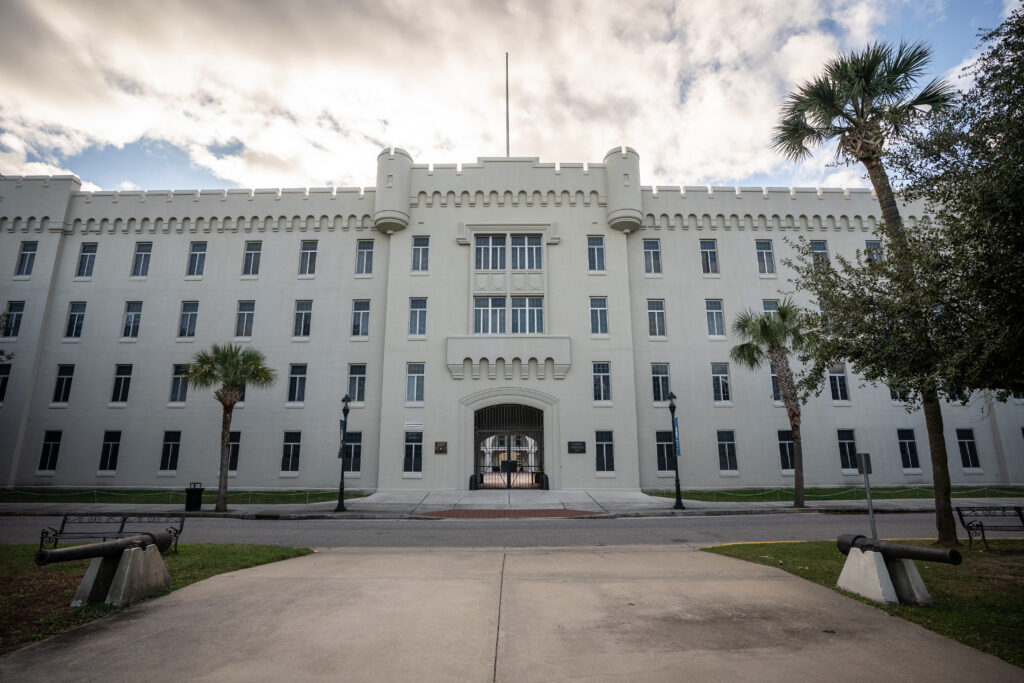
(503, 323)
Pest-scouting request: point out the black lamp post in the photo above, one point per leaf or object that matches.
(675, 451)
(341, 453)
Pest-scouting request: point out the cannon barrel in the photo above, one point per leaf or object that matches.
(898, 550)
(162, 540)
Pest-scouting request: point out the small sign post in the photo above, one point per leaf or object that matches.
(864, 467)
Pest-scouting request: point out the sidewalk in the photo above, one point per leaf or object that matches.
(413, 504)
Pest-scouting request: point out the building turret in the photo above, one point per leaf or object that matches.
(391, 197)
(622, 169)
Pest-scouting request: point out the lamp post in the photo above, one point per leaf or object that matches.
(675, 450)
(341, 454)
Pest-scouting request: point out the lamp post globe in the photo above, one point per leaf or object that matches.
(675, 451)
(341, 454)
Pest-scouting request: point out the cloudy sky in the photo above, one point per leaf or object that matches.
(241, 93)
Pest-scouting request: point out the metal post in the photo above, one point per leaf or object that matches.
(675, 450)
(341, 454)
(864, 464)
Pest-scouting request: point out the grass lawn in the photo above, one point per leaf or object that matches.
(979, 603)
(34, 600)
(851, 493)
(166, 496)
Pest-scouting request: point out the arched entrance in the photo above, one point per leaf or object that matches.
(508, 447)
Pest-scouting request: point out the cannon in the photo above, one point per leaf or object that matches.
(898, 550)
(161, 539)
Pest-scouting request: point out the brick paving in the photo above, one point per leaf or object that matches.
(507, 514)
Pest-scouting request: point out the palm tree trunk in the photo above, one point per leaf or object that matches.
(787, 387)
(886, 199)
(798, 460)
(225, 452)
(944, 521)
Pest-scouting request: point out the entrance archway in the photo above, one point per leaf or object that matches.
(508, 447)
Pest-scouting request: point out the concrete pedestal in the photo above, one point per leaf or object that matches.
(893, 581)
(133, 575)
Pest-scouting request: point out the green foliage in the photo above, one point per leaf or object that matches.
(231, 367)
(764, 331)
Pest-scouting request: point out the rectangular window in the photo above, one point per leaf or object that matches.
(765, 257)
(716, 317)
(26, 259)
(196, 259)
(526, 252)
(720, 382)
(364, 257)
(489, 252)
(605, 450)
(908, 449)
(169, 453)
(5, 376)
(770, 307)
(598, 315)
(234, 446)
(62, 388)
(417, 317)
(786, 449)
(602, 381)
(820, 249)
(244, 318)
(76, 320)
(659, 380)
(414, 382)
(776, 389)
(179, 384)
(140, 262)
(189, 316)
(847, 449)
(297, 383)
(666, 451)
(413, 461)
(595, 253)
(727, 451)
(527, 315)
(86, 260)
(420, 254)
(489, 315)
(290, 451)
(109, 451)
(897, 396)
(656, 317)
(837, 382)
(132, 319)
(12, 324)
(251, 258)
(51, 449)
(122, 383)
(357, 382)
(968, 449)
(652, 257)
(307, 257)
(361, 318)
(873, 251)
(709, 257)
(353, 451)
(303, 318)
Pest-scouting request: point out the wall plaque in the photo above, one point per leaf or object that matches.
(440, 448)
(577, 446)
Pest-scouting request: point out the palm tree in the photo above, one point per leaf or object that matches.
(231, 368)
(864, 100)
(773, 337)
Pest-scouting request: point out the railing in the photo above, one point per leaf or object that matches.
(509, 475)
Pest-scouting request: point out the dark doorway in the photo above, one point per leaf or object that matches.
(509, 447)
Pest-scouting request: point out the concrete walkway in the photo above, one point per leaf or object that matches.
(650, 613)
(392, 504)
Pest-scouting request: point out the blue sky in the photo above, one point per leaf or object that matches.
(241, 93)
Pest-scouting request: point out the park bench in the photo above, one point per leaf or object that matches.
(995, 518)
(83, 527)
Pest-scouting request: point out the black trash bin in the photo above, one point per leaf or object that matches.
(194, 497)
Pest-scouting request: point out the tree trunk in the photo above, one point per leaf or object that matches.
(944, 522)
(225, 454)
(886, 199)
(787, 387)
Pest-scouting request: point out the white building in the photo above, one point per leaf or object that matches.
(504, 319)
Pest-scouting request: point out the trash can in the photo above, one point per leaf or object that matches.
(194, 497)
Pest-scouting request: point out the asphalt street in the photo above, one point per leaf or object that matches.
(322, 533)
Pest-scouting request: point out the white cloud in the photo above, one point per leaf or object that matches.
(307, 93)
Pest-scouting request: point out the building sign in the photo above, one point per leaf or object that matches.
(440, 448)
(577, 446)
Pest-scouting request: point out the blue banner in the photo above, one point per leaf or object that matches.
(675, 437)
(341, 444)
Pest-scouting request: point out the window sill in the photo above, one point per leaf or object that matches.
(670, 474)
(357, 404)
(841, 404)
(232, 474)
(728, 473)
(167, 473)
(850, 473)
(414, 404)
(9, 340)
(779, 404)
(657, 338)
(307, 276)
(176, 404)
(788, 473)
(911, 470)
(193, 278)
(58, 405)
(353, 475)
(412, 475)
(117, 404)
(46, 473)
(137, 278)
(360, 338)
(973, 470)
(716, 337)
(418, 273)
(768, 276)
(295, 404)
(128, 340)
(417, 337)
(711, 276)
(602, 404)
(300, 340)
(71, 340)
(363, 276)
(184, 340)
(604, 475)
(82, 278)
(106, 473)
(660, 404)
(653, 276)
(249, 277)
(722, 404)
(604, 335)
(239, 405)
(288, 475)
(596, 272)
(22, 277)
(241, 340)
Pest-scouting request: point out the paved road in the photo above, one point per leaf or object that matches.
(521, 533)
